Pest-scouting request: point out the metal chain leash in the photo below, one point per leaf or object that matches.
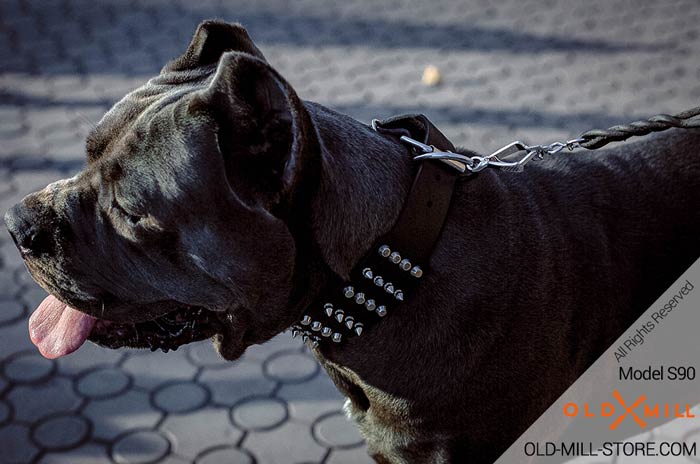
(590, 140)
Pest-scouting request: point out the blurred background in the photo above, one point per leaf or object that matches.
(535, 70)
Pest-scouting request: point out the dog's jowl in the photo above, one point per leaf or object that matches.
(215, 203)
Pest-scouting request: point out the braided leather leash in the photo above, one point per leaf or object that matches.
(600, 137)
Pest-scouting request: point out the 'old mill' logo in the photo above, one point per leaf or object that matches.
(636, 411)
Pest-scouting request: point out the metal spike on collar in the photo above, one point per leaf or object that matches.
(379, 281)
(304, 338)
(395, 257)
(405, 265)
(337, 337)
(349, 321)
(360, 298)
(398, 294)
(339, 314)
(295, 333)
(326, 332)
(306, 320)
(328, 309)
(314, 342)
(381, 311)
(358, 328)
(367, 273)
(417, 272)
(316, 326)
(349, 292)
(389, 288)
(370, 305)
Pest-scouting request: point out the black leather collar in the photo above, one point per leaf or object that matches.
(392, 269)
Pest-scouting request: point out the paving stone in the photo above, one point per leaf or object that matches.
(228, 455)
(239, 380)
(61, 432)
(14, 340)
(259, 413)
(8, 286)
(28, 367)
(174, 459)
(205, 355)
(5, 412)
(290, 440)
(152, 369)
(290, 367)
(15, 444)
(33, 402)
(103, 383)
(140, 447)
(112, 417)
(282, 342)
(336, 431)
(349, 456)
(90, 453)
(309, 400)
(32, 181)
(88, 357)
(32, 296)
(181, 397)
(194, 432)
(10, 311)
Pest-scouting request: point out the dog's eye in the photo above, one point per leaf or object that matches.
(132, 219)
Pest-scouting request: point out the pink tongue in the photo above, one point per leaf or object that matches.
(57, 329)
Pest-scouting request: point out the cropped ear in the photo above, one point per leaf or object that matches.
(210, 41)
(259, 119)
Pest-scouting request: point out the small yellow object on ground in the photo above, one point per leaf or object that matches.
(431, 76)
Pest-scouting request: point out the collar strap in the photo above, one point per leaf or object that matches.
(394, 266)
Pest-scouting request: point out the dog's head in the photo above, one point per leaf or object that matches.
(176, 229)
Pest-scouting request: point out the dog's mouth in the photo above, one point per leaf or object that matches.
(58, 329)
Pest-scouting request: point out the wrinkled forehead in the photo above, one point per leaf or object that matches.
(141, 111)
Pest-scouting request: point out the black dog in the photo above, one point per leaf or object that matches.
(216, 203)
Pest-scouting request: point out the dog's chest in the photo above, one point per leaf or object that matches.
(392, 434)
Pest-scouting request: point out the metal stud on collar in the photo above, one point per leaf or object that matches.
(395, 257)
(314, 331)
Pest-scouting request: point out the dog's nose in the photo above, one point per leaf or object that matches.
(29, 236)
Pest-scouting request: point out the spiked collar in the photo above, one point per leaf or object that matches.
(393, 268)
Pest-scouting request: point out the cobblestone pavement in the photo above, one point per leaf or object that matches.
(527, 69)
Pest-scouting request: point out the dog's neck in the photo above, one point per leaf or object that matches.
(364, 180)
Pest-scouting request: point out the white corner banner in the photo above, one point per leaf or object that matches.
(648, 377)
